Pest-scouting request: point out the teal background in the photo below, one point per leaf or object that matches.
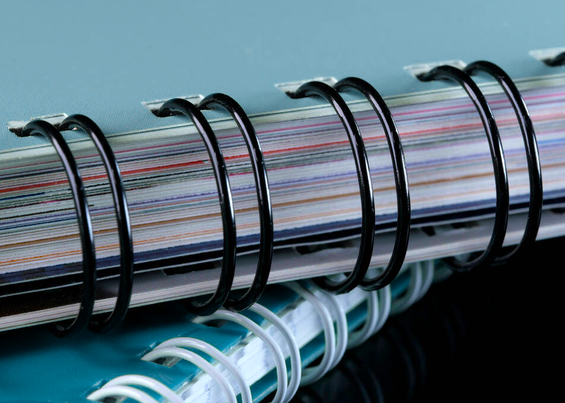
(103, 58)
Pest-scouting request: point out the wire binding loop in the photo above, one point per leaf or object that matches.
(192, 357)
(353, 279)
(121, 391)
(558, 60)
(80, 323)
(400, 178)
(494, 246)
(140, 381)
(200, 345)
(358, 337)
(385, 304)
(271, 344)
(180, 106)
(532, 155)
(312, 374)
(222, 101)
(421, 277)
(294, 350)
(378, 310)
(338, 313)
(122, 217)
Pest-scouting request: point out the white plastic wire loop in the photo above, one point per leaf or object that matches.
(294, 351)
(312, 374)
(337, 311)
(411, 295)
(428, 277)
(175, 352)
(385, 304)
(278, 356)
(358, 337)
(421, 278)
(200, 345)
(123, 392)
(146, 382)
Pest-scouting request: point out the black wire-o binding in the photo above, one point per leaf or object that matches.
(400, 177)
(451, 73)
(532, 154)
(353, 279)
(80, 323)
(83, 319)
(122, 217)
(222, 101)
(558, 60)
(181, 106)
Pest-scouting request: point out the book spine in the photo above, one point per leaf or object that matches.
(224, 295)
(245, 371)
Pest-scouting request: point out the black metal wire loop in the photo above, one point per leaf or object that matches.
(222, 101)
(125, 287)
(400, 177)
(494, 246)
(179, 106)
(558, 60)
(354, 278)
(80, 323)
(532, 155)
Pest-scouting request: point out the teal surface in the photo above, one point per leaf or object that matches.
(103, 58)
(37, 366)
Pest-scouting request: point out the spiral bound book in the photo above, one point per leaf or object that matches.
(201, 153)
(151, 352)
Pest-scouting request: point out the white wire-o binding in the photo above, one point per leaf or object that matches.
(312, 374)
(428, 277)
(341, 321)
(121, 391)
(294, 351)
(412, 293)
(143, 381)
(358, 337)
(380, 305)
(421, 279)
(378, 311)
(200, 345)
(385, 304)
(175, 352)
(271, 344)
